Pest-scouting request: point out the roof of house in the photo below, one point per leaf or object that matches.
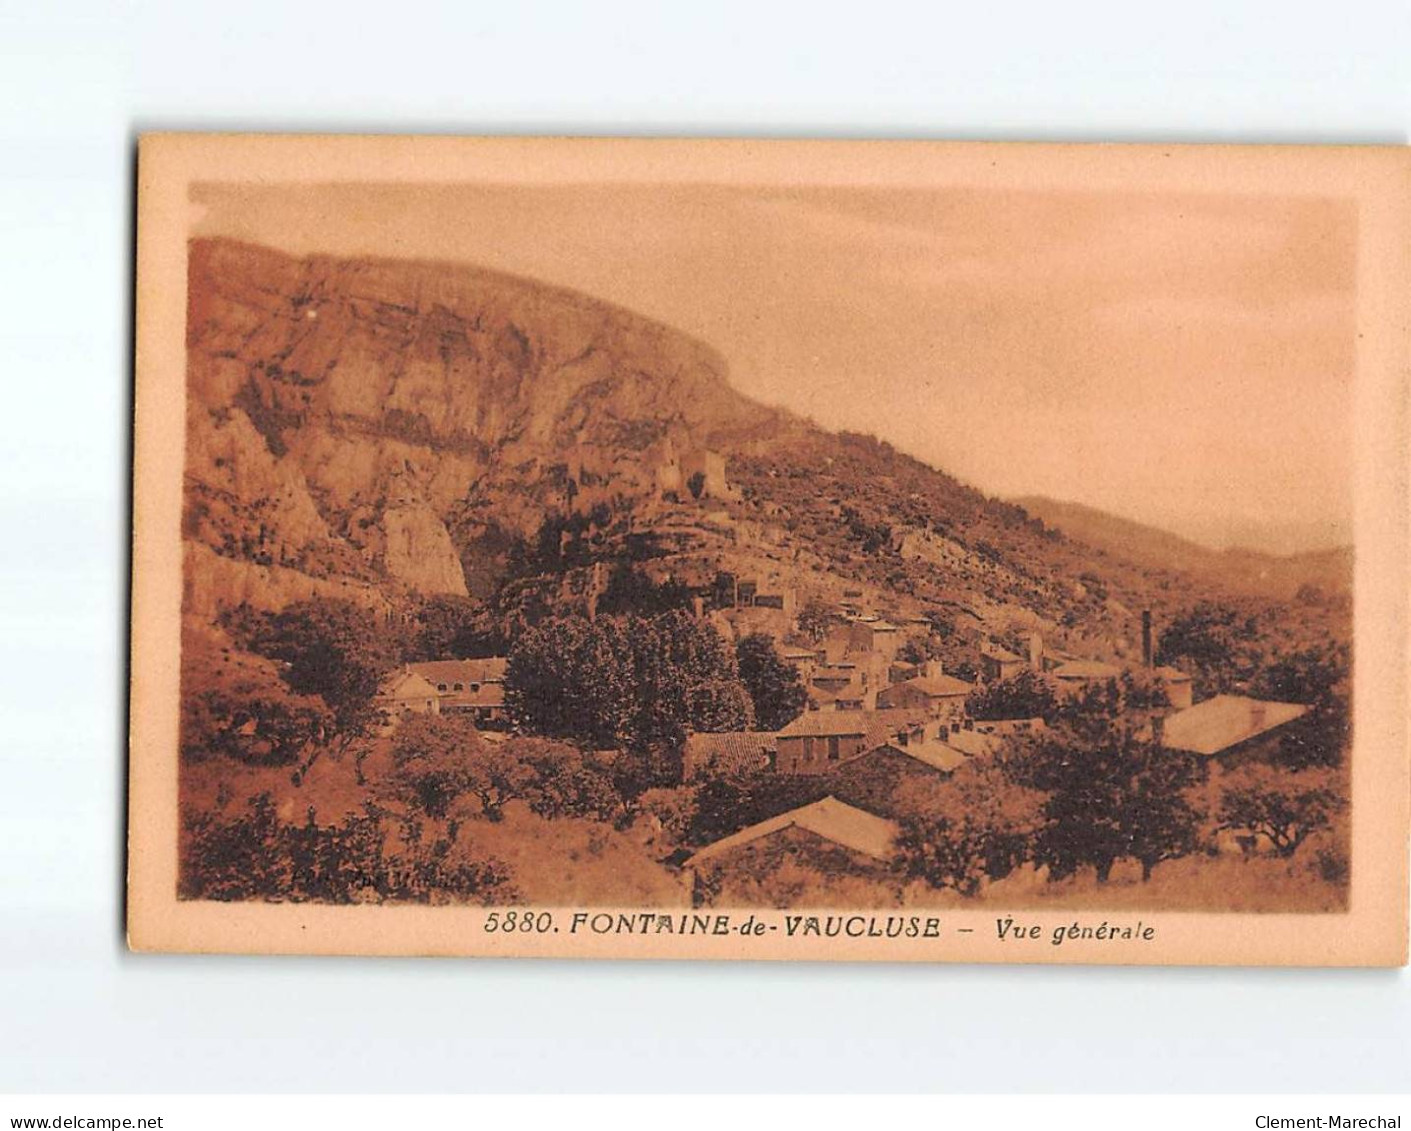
(867, 723)
(972, 743)
(1087, 669)
(1217, 724)
(729, 751)
(941, 686)
(485, 695)
(929, 752)
(830, 819)
(1003, 655)
(404, 684)
(488, 670)
(1173, 675)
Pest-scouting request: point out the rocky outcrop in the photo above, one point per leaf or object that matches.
(419, 552)
(212, 582)
(366, 420)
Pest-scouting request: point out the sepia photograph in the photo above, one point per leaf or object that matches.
(958, 553)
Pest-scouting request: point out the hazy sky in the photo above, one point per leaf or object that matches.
(1184, 361)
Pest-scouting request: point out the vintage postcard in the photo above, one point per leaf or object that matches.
(771, 550)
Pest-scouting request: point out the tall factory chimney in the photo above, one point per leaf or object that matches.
(1146, 637)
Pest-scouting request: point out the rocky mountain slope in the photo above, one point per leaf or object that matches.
(363, 424)
(384, 430)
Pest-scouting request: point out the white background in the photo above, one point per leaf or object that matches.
(78, 81)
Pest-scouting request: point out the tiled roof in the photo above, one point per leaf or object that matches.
(830, 819)
(404, 684)
(941, 686)
(1217, 724)
(450, 672)
(736, 751)
(931, 752)
(871, 724)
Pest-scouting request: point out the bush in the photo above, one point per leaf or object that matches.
(256, 857)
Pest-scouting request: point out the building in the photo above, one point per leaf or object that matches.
(819, 741)
(468, 687)
(1074, 676)
(828, 820)
(676, 475)
(869, 635)
(934, 692)
(1224, 727)
(804, 659)
(999, 663)
(726, 754)
(879, 780)
(403, 693)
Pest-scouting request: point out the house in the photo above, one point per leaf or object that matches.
(804, 659)
(1076, 675)
(835, 677)
(726, 754)
(934, 692)
(878, 780)
(1223, 726)
(819, 741)
(874, 635)
(468, 687)
(999, 663)
(403, 693)
(828, 820)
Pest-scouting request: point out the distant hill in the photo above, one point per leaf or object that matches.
(1276, 575)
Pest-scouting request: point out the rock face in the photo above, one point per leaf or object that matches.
(365, 422)
(419, 551)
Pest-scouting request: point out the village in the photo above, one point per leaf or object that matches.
(876, 712)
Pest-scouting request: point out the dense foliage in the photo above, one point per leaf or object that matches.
(625, 682)
(774, 686)
(255, 855)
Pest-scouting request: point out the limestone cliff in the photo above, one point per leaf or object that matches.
(365, 421)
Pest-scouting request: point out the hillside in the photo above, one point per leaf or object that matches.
(471, 455)
(387, 430)
(364, 424)
(1247, 570)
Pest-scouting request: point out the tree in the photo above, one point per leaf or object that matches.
(774, 686)
(567, 782)
(1021, 696)
(1215, 641)
(447, 625)
(696, 484)
(972, 828)
(438, 758)
(332, 649)
(251, 722)
(625, 682)
(1111, 796)
(1316, 677)
(815, 619)
(256, 856)
(1287, 809)
(628, 591)
(727, 805)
